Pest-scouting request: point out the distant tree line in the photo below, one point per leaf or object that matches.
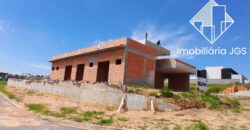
(2, 74)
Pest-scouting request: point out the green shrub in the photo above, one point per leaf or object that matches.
(165, 92)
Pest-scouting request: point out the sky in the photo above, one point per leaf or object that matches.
(33, 31)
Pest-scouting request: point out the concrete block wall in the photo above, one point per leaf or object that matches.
(218, 81)
(98, 93)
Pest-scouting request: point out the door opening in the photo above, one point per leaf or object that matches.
(79, 72)
(67, 74)
(103, 71)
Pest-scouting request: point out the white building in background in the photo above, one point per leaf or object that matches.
(214, 72)
(220, 75)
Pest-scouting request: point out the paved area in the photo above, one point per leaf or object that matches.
(241, 94)
(14, 118)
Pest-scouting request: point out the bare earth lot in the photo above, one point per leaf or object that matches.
(218, 119)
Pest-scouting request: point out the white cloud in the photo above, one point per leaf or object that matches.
(180, 42)
(5, 27)
(38, 66)
(170, 38)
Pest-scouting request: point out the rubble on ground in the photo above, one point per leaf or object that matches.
(235, 89)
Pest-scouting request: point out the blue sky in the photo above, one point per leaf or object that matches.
(32, 31)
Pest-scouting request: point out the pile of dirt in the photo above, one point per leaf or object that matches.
(187, 104)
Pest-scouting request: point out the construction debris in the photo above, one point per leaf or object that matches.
(234, 89)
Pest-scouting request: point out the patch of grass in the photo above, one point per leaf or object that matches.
(201, 126)
(198, 125)
(39, 108)
(56, 114)
(234, 103)
(166, 92)
(214, 88)
(214, 101)
(245, 109)
(223, 128)
(135, 91)
(68, 110)
(124, 119)
(236, 110)
(77, 119)
(189, 95)
(3, 83)
(192, 87)
(106, 121)
(177, 127)
(88, 115)
(5, 92)
(139, 86)
(208, 100)
(165, 128)
(153, 94)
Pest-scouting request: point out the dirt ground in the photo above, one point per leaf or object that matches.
(218, 119)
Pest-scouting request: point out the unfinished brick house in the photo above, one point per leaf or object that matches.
(123, 61)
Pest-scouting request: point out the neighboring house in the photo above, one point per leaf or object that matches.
(220, 75)
(3, 79)
(123, 61)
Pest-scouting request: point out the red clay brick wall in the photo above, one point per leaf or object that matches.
(140, 46)
(59, 74)
(140, 64)
(90, 73)
(93, 48)
(139, 70)
(134, 66)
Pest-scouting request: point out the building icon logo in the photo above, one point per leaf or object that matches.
(212, 21)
